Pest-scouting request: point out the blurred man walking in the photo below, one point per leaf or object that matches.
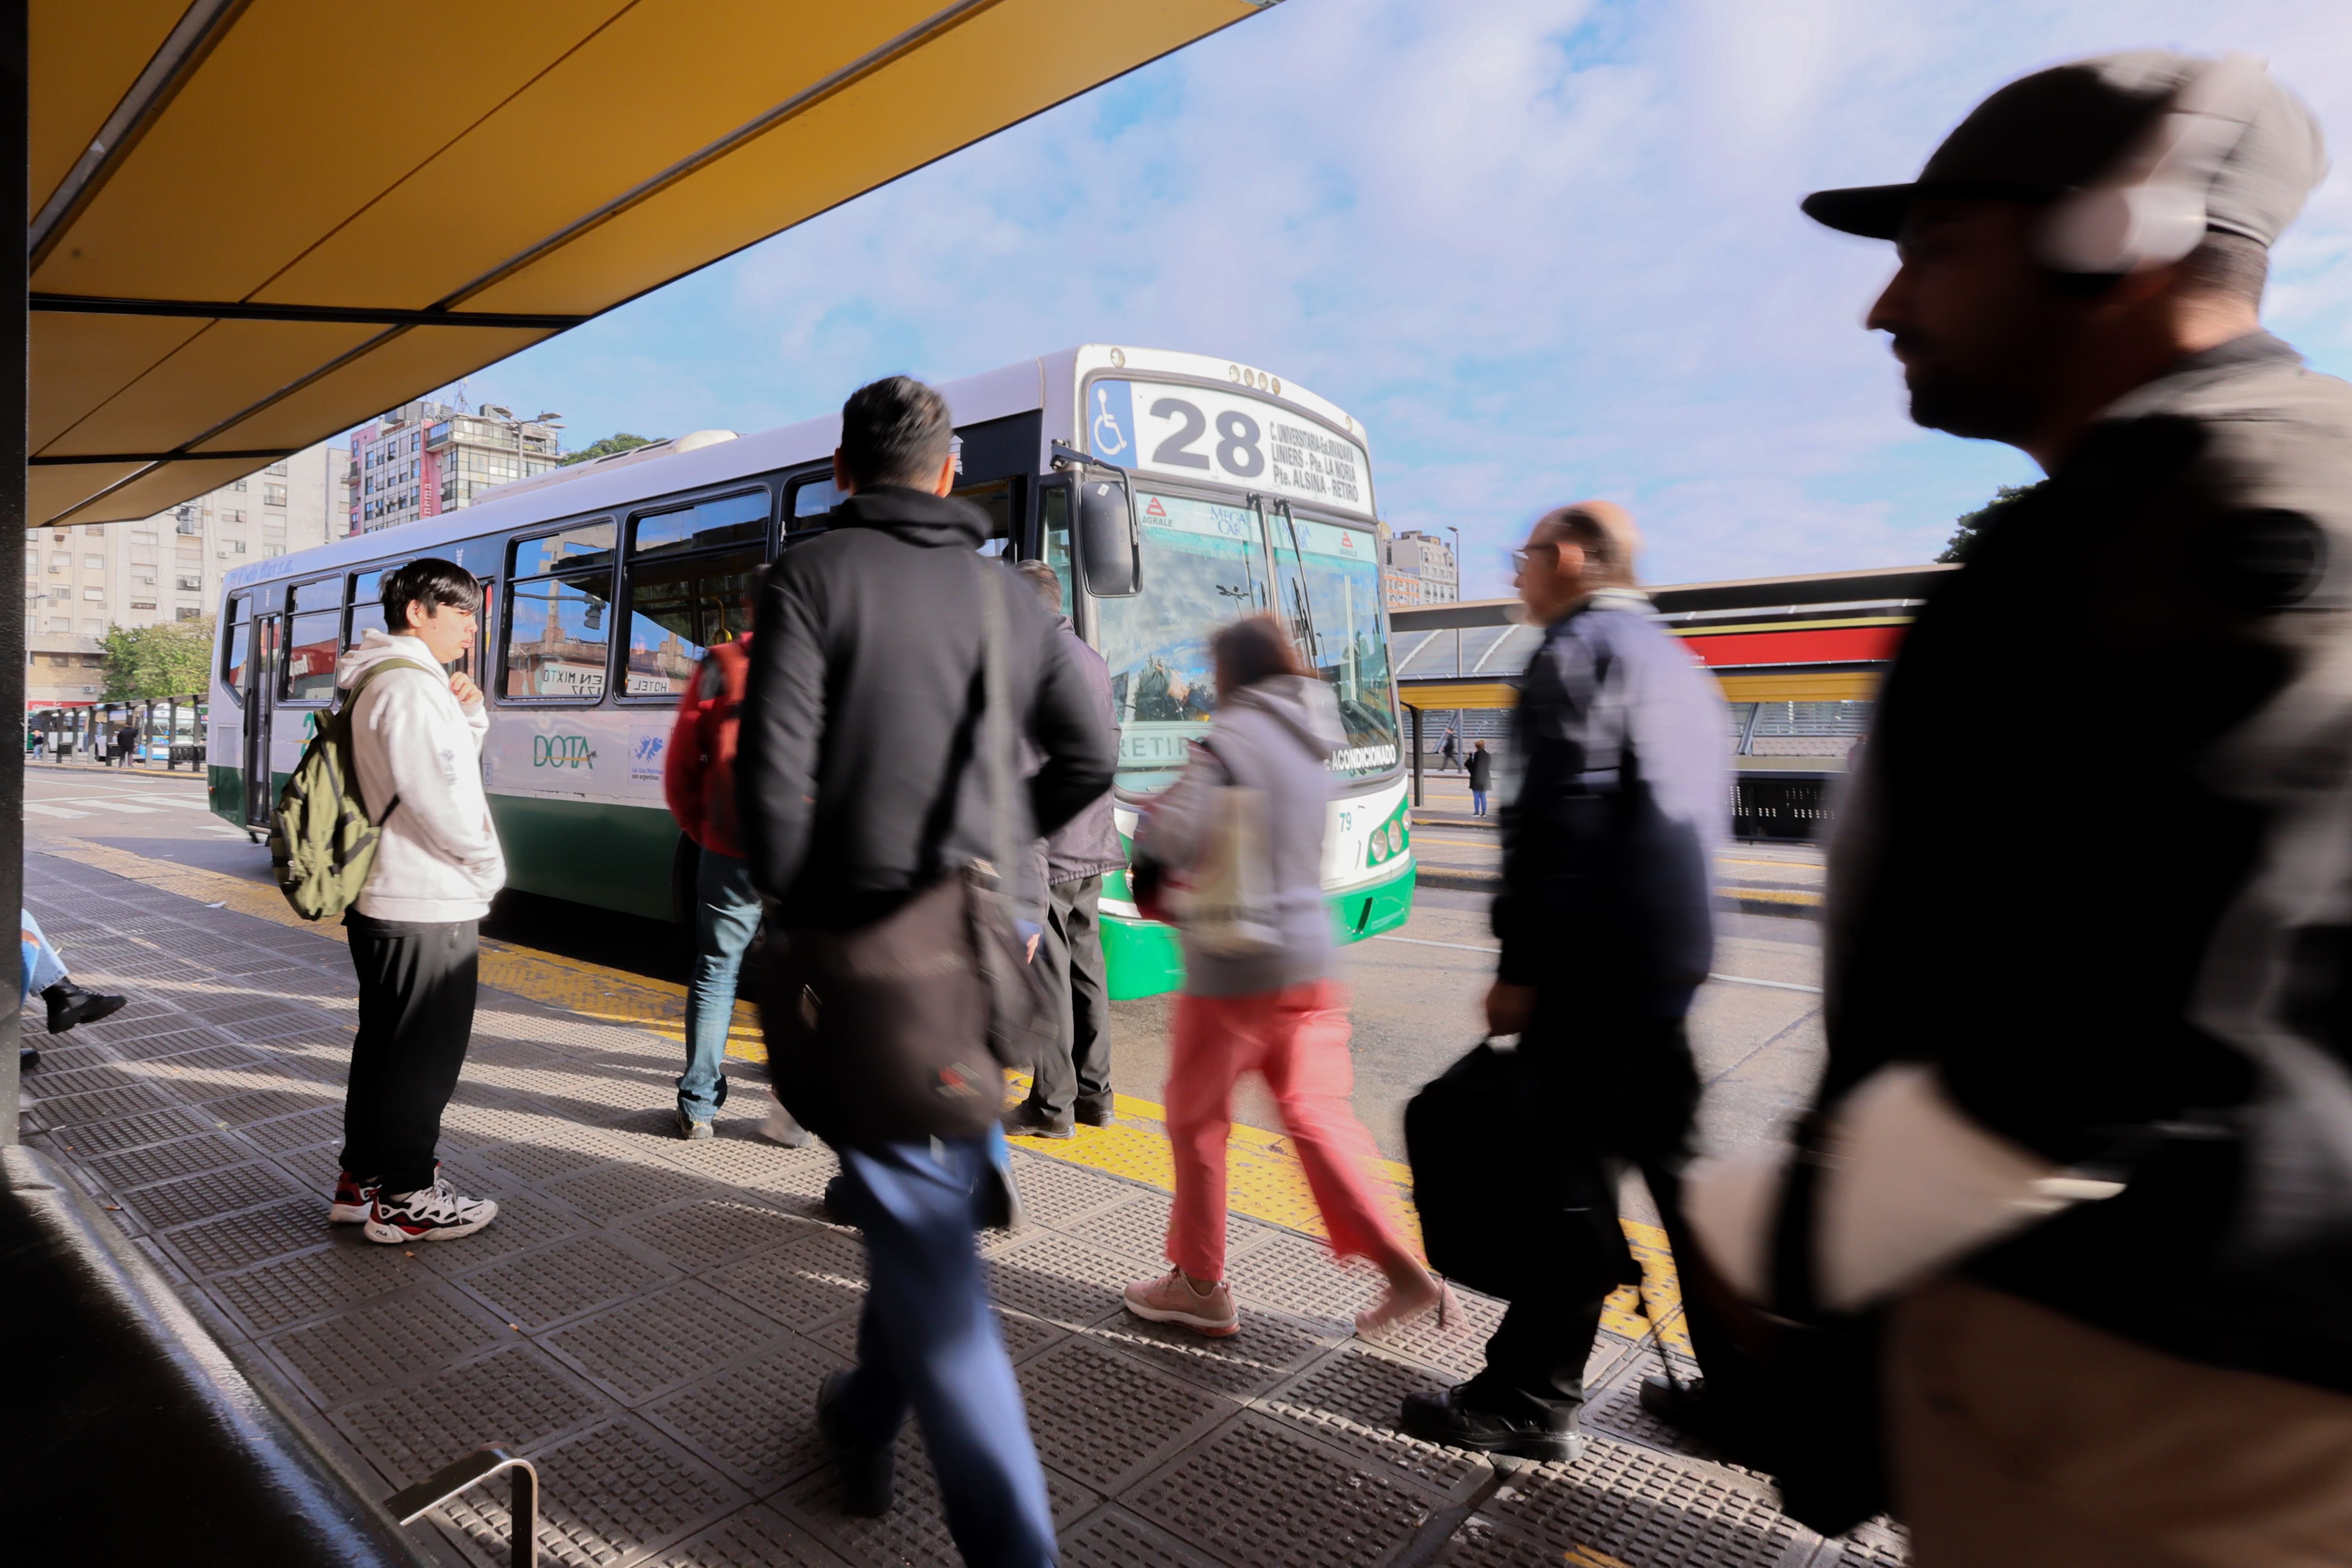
(861, 785)
(1607, 930)
(2138, 957)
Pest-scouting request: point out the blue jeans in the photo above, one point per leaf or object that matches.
(1477, 803)
(726, 917)
(929, 1341)
(43, 967)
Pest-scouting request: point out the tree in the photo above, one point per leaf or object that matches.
(621, 442)
(174, 660)
(1970, 527)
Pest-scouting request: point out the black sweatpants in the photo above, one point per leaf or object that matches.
(1621, 1081)
(1070, 953)
(417, 1017)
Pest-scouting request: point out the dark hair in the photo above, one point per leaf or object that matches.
(432, 583)
(1042, 578)
(1254, 648)
(895, 430)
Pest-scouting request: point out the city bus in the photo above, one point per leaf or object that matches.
(1169, 492)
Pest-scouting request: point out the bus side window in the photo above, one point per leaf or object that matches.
(367, 604)
(236, 644)
(311, 645)
(1054, 530)
(558, 627)
(809, 501)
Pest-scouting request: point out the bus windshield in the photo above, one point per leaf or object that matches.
(1204, 564)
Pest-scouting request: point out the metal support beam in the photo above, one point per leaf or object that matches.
(250, 311)
(14, 386)
(1416, 757)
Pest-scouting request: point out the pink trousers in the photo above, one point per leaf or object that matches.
(1298, 1037)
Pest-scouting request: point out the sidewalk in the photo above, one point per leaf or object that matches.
(648, 1319)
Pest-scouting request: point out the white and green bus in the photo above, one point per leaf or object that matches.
(1169, 492)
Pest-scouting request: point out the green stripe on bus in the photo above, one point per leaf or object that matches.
(1145, 959)
(613, 857)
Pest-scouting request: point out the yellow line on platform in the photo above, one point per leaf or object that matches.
(1264, 1178)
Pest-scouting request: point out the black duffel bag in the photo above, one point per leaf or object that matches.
(902, 1028)
(1514, 1198)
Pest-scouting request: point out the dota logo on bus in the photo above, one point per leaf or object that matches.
(560, 751)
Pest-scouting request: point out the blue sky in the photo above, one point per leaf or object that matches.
(1542, 250)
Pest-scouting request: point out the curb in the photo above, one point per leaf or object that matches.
(1749, 901)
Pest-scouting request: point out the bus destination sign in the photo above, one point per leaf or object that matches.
(1217, 436)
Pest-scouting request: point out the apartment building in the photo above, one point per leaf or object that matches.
(1418, 569)
(425, 458)
(81, 580)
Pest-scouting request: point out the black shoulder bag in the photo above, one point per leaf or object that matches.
(902, 1028)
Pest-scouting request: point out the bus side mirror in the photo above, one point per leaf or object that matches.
(1109, 547)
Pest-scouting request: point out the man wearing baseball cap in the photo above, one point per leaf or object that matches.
(2134, 959)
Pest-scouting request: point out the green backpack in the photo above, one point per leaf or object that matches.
(322, 839)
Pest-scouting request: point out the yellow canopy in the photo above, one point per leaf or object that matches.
(257, 223)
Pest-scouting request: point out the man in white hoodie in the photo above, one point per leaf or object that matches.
(416, 745)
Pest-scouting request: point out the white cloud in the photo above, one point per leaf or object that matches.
(1542, 250)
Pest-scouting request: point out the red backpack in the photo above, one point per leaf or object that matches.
(698, 767)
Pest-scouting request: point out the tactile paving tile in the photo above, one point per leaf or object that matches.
(1055, 1192)
(1061, 1280)
(201, 1197)
(104, 1104)
(1024, 1336)
(76, 1054)
(607, 1195)
(211, 1064)
(715, 1232)
(757, 1421)
(163, 1161)
(543, 1162)
(1256, 1495)
(736, 1156)
(1114, 1538)
(1297, 1274)
(754, 1538)
(238, 1016)
(322, 1126)
(807, 1283)
(131, 1132)
(541, 1289)
(646, 1346)
(239, 1240)
(1879, 1543)
(57, 1078)
(315, 1283)
(1617, 1411)
(1647, 1507)
(914, 1534)
(603, 1496)
(516, 1397)
(373, 1347)
(167, 1043)
(525, 1221)
(1458, 1346)
(1269, 1348)
(239, 1107)
(1353, 1401)
(1103, 1420)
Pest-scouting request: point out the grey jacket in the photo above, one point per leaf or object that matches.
(2139, 949)
(1087, 844)
(1276, 735)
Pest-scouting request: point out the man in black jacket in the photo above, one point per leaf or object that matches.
(1607, 927)
(2132, 955)
(860, 782)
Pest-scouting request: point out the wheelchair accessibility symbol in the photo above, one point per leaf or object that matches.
(1105, 436)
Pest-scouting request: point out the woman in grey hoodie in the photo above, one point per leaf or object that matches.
(1269, 1004)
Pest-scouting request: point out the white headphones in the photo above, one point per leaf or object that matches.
(2149, 211)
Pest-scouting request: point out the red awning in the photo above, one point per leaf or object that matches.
(1829, 645)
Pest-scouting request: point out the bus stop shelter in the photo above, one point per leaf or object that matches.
(242, 238)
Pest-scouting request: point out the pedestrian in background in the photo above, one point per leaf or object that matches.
(2163, 1377)
(1073, 1081)
(1482, 777)
(1607, 927)
(415, 930)
(1276, 1011)
(862, 784)
(1450, 751)
(699, 783)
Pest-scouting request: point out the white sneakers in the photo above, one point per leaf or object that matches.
(1174, 1299)
(429, 1213)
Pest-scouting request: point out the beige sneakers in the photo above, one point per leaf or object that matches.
(1174, 1299)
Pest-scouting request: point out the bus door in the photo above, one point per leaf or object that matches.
(260, 695)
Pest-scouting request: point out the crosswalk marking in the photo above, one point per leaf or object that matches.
(37, 808)
(117, 806)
